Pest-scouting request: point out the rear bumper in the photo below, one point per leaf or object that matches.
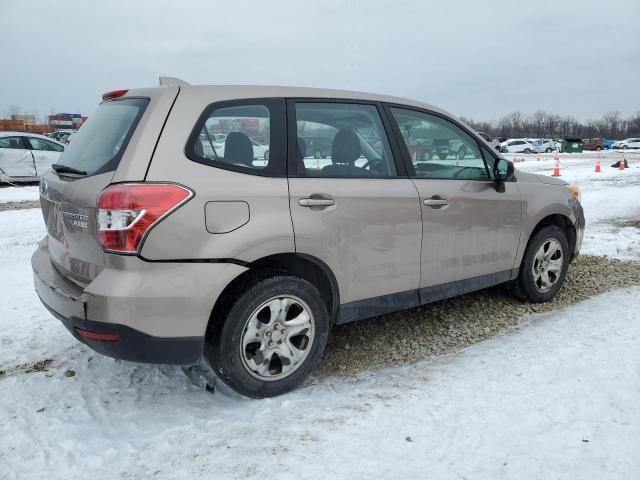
(158, 311)
(133, 345)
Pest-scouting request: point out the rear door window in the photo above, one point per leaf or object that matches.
(341, 140)
(44, 145)
(100, 143)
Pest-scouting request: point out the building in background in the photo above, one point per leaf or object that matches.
(66, 121)
(26, 119)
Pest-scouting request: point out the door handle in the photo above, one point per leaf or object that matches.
(316, 202)
(436, 202)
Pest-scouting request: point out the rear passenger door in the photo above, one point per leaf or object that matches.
(45, 153)
(15, 157)
(470, 231)
(356, 210)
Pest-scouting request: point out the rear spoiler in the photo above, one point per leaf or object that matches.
(172, 82)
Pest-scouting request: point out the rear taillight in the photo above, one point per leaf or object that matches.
(126, 212)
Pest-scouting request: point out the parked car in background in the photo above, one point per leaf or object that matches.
(494, 142)
(60, 135)
(607, 143)
(517, 145)
(625, 144)
(317, 146)
(595, 144)
(24, 157)
(250, 263)
(260, 151)
(542, 145)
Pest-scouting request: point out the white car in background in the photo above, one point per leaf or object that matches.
(542, 145)
(517, 145)
(491, 141)
(625, 144)
(260, 151)
(24, 157)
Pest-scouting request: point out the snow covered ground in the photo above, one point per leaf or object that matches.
(555, 398)
(19, 194)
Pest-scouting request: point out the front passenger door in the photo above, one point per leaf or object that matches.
(15, 157)
(469, 229)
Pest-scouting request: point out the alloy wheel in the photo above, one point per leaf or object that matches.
(277, 338)
(547, 265)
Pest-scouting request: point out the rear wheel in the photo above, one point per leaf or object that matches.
(544, 266)
(598, 148)
(548, 150)
(317, 154)
(527, 150)
(271, 338)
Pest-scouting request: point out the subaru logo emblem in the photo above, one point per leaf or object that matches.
(44, 188)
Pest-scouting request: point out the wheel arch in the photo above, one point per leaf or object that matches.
(554, 219)
(310, 268)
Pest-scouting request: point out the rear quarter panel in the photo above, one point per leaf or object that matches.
(184, 235)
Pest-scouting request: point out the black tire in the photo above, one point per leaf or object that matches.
(524, 286)
(598, 149)
(624, 147)
(548, 150)
(527, 150)
(223, 348)
(317, 154)
(442, 156)
(266, 155)
(462, 152)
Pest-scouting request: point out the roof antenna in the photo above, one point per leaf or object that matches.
(172, 82)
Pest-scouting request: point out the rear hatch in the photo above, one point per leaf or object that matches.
(115, 144)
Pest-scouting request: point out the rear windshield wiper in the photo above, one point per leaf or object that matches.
(66, 169)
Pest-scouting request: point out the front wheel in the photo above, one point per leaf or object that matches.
(624, 147)
(598, 149)
(548, 150)
(266, 155)
(544, 266)
(271, 338)
(317, 154)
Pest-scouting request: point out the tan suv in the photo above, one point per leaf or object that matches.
(166, 243)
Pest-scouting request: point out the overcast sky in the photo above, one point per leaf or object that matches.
(476, 59)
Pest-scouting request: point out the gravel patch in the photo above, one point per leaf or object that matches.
(18, 205)
(450, 325)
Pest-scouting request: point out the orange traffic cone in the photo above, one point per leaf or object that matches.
(514, 158)
(598, 165)
(538, 157)
(622, 163)
(556, 171)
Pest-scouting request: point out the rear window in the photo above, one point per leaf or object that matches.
(99, 144)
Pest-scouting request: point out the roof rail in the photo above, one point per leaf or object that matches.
(172, 82)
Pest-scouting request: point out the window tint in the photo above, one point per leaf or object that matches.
(236, 137)
(12, 142)
(342, 140)
(100, 143)
(44, 145)
(438, 148)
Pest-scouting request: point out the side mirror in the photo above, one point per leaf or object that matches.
(502, 172)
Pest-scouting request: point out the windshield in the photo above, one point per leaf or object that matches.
(100, 143)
